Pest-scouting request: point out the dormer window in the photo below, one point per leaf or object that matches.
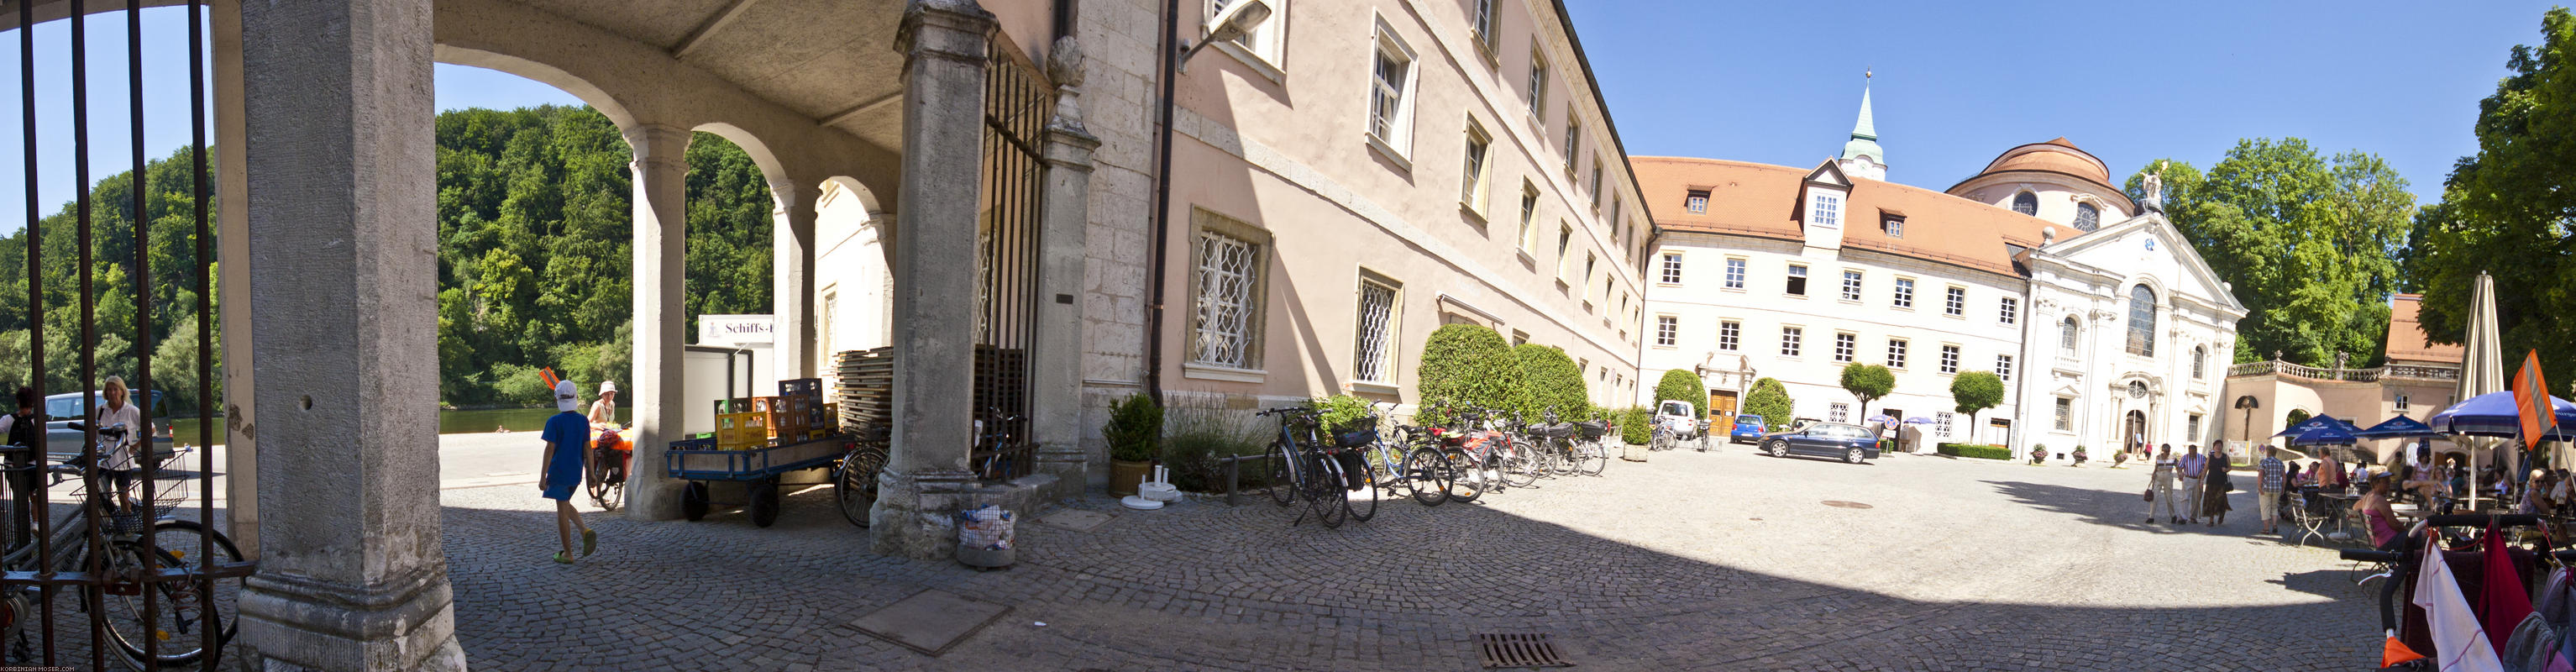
(1697, 203)
(1826, 210)
(2026, 203)
(1895, 226)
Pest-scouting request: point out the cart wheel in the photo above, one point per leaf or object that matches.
(764, 501)
(693, 500)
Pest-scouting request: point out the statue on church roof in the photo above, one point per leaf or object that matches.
(2155, 181)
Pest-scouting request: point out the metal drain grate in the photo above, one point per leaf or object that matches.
(1519, 650)
(1840, 504)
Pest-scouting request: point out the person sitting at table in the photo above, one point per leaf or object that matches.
(2535, 499)
(2377, 514)
(2329, 474)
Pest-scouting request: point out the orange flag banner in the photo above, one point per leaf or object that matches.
(2531, 401)
(548, 375)
(2396, 653)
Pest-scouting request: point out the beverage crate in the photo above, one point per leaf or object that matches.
(739, 405)
(739, 431)
(801, 387)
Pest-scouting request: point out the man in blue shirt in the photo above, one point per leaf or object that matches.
(567, 436)
(2194, 467)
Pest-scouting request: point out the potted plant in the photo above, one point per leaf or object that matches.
(1135, 436)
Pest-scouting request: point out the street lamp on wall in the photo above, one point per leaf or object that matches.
(1231, 23)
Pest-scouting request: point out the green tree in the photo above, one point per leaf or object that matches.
(1465, 365)
(1868, 383)
(1974, 392)
(2308, 244)
(2508, 209)
(1770, 400)
(1553, 382)
(1685, 386)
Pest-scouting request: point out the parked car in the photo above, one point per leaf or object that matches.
(1748, 429)
(1849, 443)
(61, 410)
(1680, 417)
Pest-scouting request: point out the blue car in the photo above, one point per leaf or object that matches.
(1748, 429)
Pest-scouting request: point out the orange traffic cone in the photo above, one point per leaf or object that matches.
(2396, 653)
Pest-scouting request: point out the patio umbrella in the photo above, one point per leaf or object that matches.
(2482, 363)
(1918, 420)
(2316, 422)
(2494, 415)
(2400, 427)
(1881, 418)
(2323, 436)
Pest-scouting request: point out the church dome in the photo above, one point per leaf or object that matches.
(2055, 156)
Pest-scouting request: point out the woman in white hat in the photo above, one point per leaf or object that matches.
(603, 413)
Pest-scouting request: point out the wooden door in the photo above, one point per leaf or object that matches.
(1721, 404)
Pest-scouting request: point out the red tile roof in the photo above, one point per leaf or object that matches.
(2407, 340)
(1761, 200)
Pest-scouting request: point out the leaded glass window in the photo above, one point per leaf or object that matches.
(1376, 328)
(2142, 321)
(1228, 270)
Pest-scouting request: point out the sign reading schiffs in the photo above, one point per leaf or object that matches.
(2531, 401)
(735, 330)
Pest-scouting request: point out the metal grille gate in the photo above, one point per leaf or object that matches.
(157, 591)
(1016, 104)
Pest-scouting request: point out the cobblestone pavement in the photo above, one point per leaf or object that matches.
(1725, 560)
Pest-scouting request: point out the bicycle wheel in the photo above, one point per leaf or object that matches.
(1386, 468)
(856, 486)
(1591, 457)
(1323, 490)
(1518, 467)
(185, 608)
(1361, 502)
(1281, 476)
(1466, 480)
(1427, 475)
(595, 478)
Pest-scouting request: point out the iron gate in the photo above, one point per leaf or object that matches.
(151, 586)
(1016, 104)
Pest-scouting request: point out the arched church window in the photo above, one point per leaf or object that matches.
(2142, 321)
(2199, 360)
(2066, 336)
(2026, 203)
(2087, 217)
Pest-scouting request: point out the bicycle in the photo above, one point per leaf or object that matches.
(998, 464)
(1404, 466)
(1296, 472)
(184, 608)
(604, 472)
(854, 480)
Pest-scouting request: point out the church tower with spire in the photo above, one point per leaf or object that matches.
(1861, 156)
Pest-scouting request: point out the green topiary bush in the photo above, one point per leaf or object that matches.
(1979, 451)
(1636, 425)
(1135, 429)
(1467, 365)
(1684, 386)
(1771, 401)
(1552, 381)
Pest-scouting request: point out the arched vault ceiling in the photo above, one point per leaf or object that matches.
(830, 60)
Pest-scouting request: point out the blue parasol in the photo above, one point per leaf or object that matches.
(2494, 414)
(1918, 420)
(2324, 436)
(2314, 422)
(2400, 427)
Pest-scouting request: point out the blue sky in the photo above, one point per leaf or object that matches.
(1776, 83)
(1959, 83)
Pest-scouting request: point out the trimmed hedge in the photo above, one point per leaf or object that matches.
(1552, 381)
(1636, 425)
(1684, 386)
(1979, 451)
(1467, 365)
(1771, 401)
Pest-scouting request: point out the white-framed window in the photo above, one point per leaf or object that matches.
(1529, 215)
(1226, 288)
(1481, 17)
(1264, 42)
(1391, 93)
(2199, 361)
(1564, 246)
(1851, 285)
(1896, 353)
(1538, 89)
(1838, 412)
(1477, 173)
(1573, 139)
(2008, 311)
(1797, 284)
(1846, 346)
(1949, 359)
(1595, 189)
(1734, 273)
(1697, 202)
(1941, 424)
(1954, 302)
(2192, 430)
(1895, 227)
(1729, 335)
(1377, 324)
(1672, 268)
(2003, 367)
(2065, 414)
(2066, 337)
(1904, 293)
(1667, 330)
(2142, 321)
(2401, 404)
(1826, 210)
(1791, 340)
(1519, 338)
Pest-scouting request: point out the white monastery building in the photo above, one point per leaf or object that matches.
(2105, 326)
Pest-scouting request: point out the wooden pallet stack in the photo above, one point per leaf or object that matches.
(866, 394)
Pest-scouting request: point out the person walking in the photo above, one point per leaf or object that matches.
(2216, 484)
(567, 437)
(2194, 467)
(2160, 489)
(2272, 477)
(116, 457)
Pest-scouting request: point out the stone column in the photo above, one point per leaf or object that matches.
(339, 159)
(792, 278)
(943, 42)
(232, 284)
(661, 227)
(1065, 219)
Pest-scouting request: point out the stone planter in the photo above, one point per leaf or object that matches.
(1124, 475)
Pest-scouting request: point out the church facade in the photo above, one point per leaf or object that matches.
(2106, 327)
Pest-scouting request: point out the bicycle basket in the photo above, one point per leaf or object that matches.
(166, 496)
(1355, 439)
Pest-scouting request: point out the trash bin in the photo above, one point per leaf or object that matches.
(984, 537)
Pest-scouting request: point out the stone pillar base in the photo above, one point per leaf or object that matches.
(1068, 465)
(916, 513)
(303, 624)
